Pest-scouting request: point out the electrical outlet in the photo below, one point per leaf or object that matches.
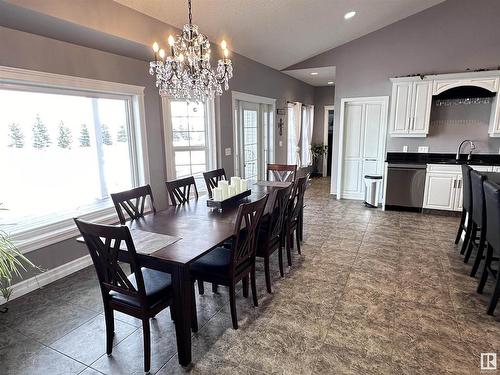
(228, 151)
(423, 149)
(405, 148)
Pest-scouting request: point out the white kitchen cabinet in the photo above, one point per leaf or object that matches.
(494, 128)
(410, 107)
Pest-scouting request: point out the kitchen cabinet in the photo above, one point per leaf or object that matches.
(444, 186)
(410, 107)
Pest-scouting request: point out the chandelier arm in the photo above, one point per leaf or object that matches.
(190, 15)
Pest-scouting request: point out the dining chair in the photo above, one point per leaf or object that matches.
(465, 219)
(272, 235)
(212, 178)
(142, 294)
(492, 199)
(293, 219)
(281, 172)
(180, 190)
(133, 202)
(478, 221)
(227, 266)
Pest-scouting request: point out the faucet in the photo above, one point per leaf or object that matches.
(472, 148)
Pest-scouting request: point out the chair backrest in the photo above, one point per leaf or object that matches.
(467, 190)
(478, 203)
(281, 172)
(132, 202)
(179, 190)
(297, 200)
(212, 178)
(492, 198)
(104, 243)
(245, 233)
(280, 207)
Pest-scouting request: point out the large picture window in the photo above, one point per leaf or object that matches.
(62, 152)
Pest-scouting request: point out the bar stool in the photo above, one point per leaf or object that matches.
(478, 218)
(465, 220)
(492, 198)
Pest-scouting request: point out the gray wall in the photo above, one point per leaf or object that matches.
(81, 48)
(323, 96)
(450, 37)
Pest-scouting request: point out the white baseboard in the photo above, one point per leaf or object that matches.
(48, 277)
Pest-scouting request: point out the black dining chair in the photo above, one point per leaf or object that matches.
(133, 202)
(272, 234)
(212, 178)
(179, 190)
(294, 214)
(223, 266)
(142, 294)
(478, 221)
(281, 172)
(492, 199)
(465, 219)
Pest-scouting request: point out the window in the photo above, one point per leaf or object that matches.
(62, 152)
(190, 151)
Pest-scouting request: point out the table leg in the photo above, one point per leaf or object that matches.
(182, 304)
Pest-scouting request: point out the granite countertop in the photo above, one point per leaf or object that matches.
(441, 158)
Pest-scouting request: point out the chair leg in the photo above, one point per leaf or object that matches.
(479, 254)
(110, 328)
(201, 287)
(487, 263)
(297, 234)
(280, 260)
(214, 288)
(461, 227)
(172, 313)
(470, 245)
(254, 287)
(494, 297)
(288, 250)
(467, 237)
(147, 344)
(194, 316)
(267, 273)
(245, 286)
(232, 304)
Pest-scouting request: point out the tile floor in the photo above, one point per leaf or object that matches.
(373, 293)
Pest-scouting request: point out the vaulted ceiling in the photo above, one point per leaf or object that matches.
(280, 33)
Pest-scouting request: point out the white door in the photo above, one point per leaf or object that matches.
(363, 144)
(440, 191)
(250, 140)
(401, 107)
(422, 100)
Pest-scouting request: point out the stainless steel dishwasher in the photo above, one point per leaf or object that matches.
(405, 186)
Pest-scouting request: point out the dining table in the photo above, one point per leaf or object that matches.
(198, 230)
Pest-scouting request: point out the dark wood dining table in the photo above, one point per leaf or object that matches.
(200, 229)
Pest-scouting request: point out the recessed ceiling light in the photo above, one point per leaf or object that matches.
(314, 73)
(330, 82)
(349, 15)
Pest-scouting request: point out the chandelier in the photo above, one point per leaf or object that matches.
(186, 72)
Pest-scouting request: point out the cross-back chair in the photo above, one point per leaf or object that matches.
(212, 178)
(227, 266)
(142, 294)
(281, 172)
(133, 202)
(180, 190)
(293, 220)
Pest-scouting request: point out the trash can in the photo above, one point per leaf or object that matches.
(372, 190)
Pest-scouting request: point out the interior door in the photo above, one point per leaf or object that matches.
(250, 140)
(353, 146)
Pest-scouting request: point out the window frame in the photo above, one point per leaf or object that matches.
(51, 232)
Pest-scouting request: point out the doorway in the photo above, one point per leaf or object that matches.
(361, 143)
(328, 139)
(253, 135)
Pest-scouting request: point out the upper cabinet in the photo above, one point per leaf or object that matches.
(410, 108)
(411, 100)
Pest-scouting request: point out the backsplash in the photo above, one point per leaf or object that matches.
(449, 125)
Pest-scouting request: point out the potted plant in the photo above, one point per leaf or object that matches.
(12, 262)
(318, 150)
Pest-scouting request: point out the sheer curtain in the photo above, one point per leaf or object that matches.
(294, 130)
(307, 131)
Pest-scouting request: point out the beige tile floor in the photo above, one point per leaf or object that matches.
(373, 293)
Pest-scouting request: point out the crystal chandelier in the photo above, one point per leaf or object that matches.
(186, 73)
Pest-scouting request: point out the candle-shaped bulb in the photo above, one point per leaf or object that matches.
(223, 44)
(156, 47)
(181, 57)
(226, 53)
(162, 53)
(171, 41)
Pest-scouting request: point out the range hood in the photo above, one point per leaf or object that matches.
(462, 92)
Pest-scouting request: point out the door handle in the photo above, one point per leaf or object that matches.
(454, 184)
(370, 159)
